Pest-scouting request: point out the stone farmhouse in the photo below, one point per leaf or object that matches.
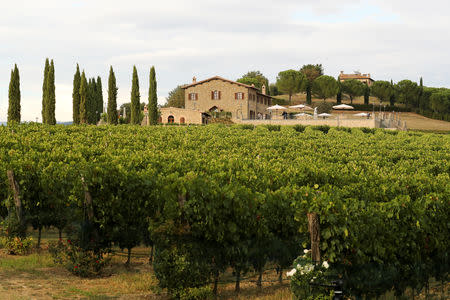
(217, 95)
(364, 78)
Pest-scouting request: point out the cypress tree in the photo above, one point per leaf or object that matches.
(339, 93)
(366, 94)
(419, 98)
(153, 98)
(99, 90)
(44, 92)
(14, 97)
(135, 97)
(90, 101)
(76, 97)
(83, 99)
(51, 97)
(112, 98)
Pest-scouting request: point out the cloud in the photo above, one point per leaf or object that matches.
(389, 39)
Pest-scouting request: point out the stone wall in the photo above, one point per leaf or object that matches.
(180, 115)
(369, 123)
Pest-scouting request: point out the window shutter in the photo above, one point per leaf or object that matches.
(196, 96)
(235, 96)
(212, 95)
(243, 96)
(219, 95)
(189, 96)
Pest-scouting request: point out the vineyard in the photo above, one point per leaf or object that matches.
(214, 198)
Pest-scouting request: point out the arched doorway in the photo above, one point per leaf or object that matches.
(170, 119)
(182, 120)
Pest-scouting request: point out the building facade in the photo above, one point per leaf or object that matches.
(217, 94)
(364, 78)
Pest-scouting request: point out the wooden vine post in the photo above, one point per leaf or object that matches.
(314, 232)
(16, 194)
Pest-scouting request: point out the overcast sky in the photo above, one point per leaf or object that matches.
(390, 39)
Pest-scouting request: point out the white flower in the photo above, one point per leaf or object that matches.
(306, 251)
(291, 272)
(325, 265)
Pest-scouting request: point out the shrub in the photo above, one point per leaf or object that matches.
(201, 293)
(17, 245)
(299, 128)
(247, 126)
(306, 278)
(323, 128)
(324, 107)
(273, 127)
(78, 261)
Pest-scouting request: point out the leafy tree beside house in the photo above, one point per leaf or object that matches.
(176, 98)
(311, 72)
(325, 87)
(383, 90)
(256, 78)
(353, 88)
(290, 82)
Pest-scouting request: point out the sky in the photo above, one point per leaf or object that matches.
(390, 39)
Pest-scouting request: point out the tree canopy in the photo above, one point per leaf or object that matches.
(290, 82)
(325, 87)
(353, 88)
(256, 78)
(176, 97)
(311, 72)
(407, 92)
(383, 90)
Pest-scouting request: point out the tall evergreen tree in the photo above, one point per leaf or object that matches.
(76, 96)
(339, 93)
(99, 90)
(112, 98)
(83, 99)
(91, 103)
(311, 72)
(135, 97)
(366, 94)
(153, 98)
(14, 97)
(419, 99)
(51, 97)
(44, 92)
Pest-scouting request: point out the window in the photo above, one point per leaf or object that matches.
(215, 95)
(193, 96)
(182, 120)
(239, 96)
(170, 119)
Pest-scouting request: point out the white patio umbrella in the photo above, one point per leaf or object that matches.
(324, 115)
(361, 115)
(302, 115)
(301, 106)
(343, 106)
(276, 107)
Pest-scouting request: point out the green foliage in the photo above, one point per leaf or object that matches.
(383, 90)
(306, 278)
(17, 245)
(339, 93)
(325, 87)
(408, 92)
(324, 107)
(256, 78)
(353, 88)
(112, 98)
(153, 99)
(75, 96)
(99, 99)
(135, 98)
(78, 261)
(176, 97)
(273, 127)
(311, 72)
(440, 102)
(14, 97)
(290, 82)
(366, 94)
(83, 99)
(273, 90)
(50, 95)
(45, 92)
(200, 293)
(299, 128)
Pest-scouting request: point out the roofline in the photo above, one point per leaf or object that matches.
(219, 78)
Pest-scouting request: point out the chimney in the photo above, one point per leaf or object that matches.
(342, 72)
(368, 75)
(194, 80)
(253, 85)
(263, 89)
